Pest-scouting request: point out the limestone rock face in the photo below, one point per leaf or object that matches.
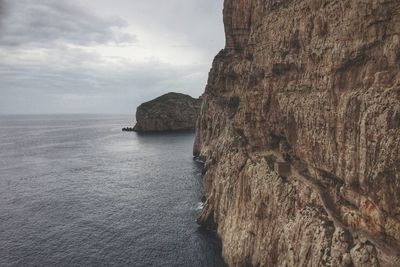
(314, 84)
(170, 112)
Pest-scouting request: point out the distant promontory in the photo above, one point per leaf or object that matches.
(169, 112)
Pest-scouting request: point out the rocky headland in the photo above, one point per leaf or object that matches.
(169, 112)
(300, 134)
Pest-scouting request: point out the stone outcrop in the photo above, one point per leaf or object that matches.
(315, 86)
(170, 112)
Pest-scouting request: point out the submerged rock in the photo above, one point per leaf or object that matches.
(128, 129)
(169, 112)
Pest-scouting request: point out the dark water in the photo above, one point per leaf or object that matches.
(77, 191)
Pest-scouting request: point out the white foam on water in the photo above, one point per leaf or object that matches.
(200, 206)
(197, 159)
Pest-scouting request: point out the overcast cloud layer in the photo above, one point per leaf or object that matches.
(103, 56)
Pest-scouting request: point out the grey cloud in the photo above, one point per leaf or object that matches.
(46, 22)
(198, 22)
(36, 88)
(2, 11)
(74, 79)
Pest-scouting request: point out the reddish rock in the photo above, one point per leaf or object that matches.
(317, 84)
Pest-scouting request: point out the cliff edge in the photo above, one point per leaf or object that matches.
(300, 133)
(169, 112)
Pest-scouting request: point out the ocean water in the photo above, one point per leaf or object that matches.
(77, 191)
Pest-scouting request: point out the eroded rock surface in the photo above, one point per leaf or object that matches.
(316, 84)
(170, 112)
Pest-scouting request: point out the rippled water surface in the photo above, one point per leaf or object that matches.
(77, 191)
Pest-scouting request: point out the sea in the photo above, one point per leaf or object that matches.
(77, 191)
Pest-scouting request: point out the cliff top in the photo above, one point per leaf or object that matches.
(167, 98)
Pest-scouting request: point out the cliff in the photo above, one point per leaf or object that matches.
(300, 133)
(170, 112)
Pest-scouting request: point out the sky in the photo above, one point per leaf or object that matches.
(103, 56)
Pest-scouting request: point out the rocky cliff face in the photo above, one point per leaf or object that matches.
(170, 112)
(314, 85)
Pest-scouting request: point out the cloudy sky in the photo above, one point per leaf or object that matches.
(103, 56)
